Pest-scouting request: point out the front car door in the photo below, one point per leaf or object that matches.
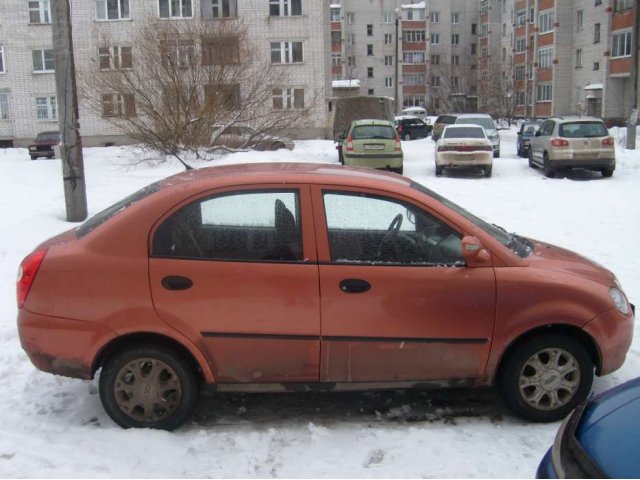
(397, 301)
(235, 270)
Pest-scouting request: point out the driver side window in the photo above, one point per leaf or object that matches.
(366, 228)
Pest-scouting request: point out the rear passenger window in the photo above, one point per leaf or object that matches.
(243, 226)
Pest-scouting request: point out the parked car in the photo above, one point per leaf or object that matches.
(242, 136)
(526, 132)
(43, 145)
(419, 112)
(441, 122)
(564, 143)
(486, 122)
(598, 439)
(464, 146)
(373, 144)
(294, 276)
(409, 127)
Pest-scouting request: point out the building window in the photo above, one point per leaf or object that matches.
(414, 13)
(336, 36)
(579, 58)
(455, 18)
(435, 39)
(520, 72)
(388, 18)
(176, 8)
(115, 58)
(546, 21)
(520, 98)
(455, 39)
(474, 29)
(434, 17)
(220, 50)
(47, 108)
(118, 105)
(335, 14)
(413, 57)
(435, 81)
(370, 50)
(455, 60)
(222, 8)
(371, 91)
(4, 106)
(474, 49)
(336, 59)
(388, 39)
(484, 30)
(225, 95)
(369, 72)
(596, 65)
(414, 36)
(288, 98)
(521, 44)
(388, 82)
(2, 63)
(351, 61)
(521, 18)
(112, 9)
(289, 8)
(369, 30)
(621, 45)
(177, 53)
(619, 5)
(351, 18)
(286, 52)
(532, 15)
(351, 39)
(596, 33)
(39, 11)
(598, 2)
(579, 19)
(545, 57)
(42, 60)
(388, 60)
(543, 93)
(412, 79)
(435, 59)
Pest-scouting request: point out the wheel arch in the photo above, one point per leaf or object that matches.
(556, 328)
(150, 338)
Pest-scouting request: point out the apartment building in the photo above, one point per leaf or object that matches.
(423, 53)
(294, 34)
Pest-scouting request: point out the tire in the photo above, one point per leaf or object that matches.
(173, 394)
(50, 156)
(520, 153)
(531, 164)
(496, 154)
(533, 398)
(548, 171)
(406, 137)
(439, 170)
(487, 171)
(607, 172)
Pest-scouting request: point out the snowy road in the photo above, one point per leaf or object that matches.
(56, 427)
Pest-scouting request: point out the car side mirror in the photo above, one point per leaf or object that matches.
(474, 252)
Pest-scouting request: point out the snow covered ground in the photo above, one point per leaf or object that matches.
(56, 427)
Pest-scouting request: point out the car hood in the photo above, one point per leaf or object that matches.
(565, 261)
(609, 430)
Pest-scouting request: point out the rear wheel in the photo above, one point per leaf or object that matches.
(607, 172)
(546, 377)
(549, 172)
(439, 170)
(487, 171)
(148, 387)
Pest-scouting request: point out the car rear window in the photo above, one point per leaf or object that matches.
(382, 132)
(583, 129)
(482, 121)
(48, 137)
(116, 208)
(446, 119)
(464, 132)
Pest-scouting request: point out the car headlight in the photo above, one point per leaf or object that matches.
(619, 300)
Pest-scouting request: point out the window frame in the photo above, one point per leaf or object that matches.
(546, 21)
(44, 7)
(181, 8)
(3, 63)
(106, 18)
(626, 46)
(286, 9)
(286, 49)
(290, 98)
(41, 54)
(51, 105)
(5, 111)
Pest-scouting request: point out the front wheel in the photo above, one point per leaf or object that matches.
(546, 377)
(148, 387)
(406, 137)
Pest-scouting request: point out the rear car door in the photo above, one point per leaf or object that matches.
(397, 301)
(235, 270)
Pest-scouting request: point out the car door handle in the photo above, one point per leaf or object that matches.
(176, 282)
(354, 285)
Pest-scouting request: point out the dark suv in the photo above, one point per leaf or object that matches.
(43, 145)
(410, 127)
(441, 122)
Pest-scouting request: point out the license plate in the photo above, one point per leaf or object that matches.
(585, 156)
(374, 146)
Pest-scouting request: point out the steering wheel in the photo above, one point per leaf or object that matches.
(391, 235)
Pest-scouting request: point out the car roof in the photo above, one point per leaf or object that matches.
(407, 117)
(463, 125)
(575, 118)
(371, 121)
(474, 115)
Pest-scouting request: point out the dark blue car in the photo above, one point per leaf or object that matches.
(527, 131)
(600, 439)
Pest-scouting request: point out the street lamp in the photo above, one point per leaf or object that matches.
(397, 62)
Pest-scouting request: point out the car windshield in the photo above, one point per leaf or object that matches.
(485, 122)
(382, 132)
(116, 208)
(520, 246)
(48, 137)
(583, 129)
(464, 132)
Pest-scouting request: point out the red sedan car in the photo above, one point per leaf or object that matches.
(277, 276)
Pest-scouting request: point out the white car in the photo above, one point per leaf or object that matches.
(486, 122)
(464, 146)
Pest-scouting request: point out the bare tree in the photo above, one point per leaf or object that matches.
(185, 82)
(456, 83)
(499, 88)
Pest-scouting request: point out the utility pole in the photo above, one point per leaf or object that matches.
(633, 115)
(75, 192)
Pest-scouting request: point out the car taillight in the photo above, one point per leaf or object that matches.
(559, 142)
(398, 146)
(443, 148)
(608, 141)
(349, 144)
(27, 274)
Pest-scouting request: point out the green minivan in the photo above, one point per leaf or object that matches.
(373, 144)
